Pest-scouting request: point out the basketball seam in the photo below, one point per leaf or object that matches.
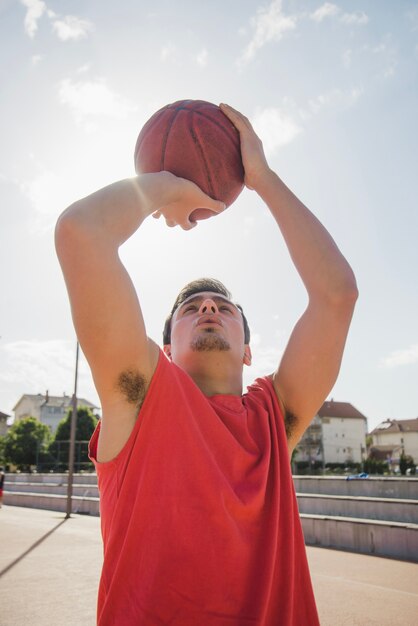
(200, 148)
(166, 138)
(222, 128)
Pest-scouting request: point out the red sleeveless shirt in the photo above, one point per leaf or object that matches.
(198, 513)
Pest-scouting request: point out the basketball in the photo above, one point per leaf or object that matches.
(193, 139)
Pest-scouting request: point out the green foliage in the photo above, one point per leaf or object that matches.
(373, 466)
(26, 443)
(306, 468)
(2, 445)
(406, 462)
(59, 447)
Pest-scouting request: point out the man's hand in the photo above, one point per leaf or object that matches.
(252, 153)
(181, 198)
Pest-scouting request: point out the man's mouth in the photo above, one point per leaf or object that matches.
(209, 320)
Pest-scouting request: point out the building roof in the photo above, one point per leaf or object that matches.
(330, 408)
(64, 401)
(4, 415)
(396, 426)
(383, 452)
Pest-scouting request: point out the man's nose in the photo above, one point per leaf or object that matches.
(208, 306)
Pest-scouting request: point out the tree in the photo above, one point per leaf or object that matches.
(26, 443)
(406, 462)
(2, 445)
(59, 448)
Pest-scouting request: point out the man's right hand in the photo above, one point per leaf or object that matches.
(180, 198)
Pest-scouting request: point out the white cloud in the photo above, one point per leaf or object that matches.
(36, 58)
(387, 54)
(359, 17)
(92, 98)
(71, 27)
(35, 10)
(412, 17)
(167, 52)
(45, 195)
(326, 10)
(401, 357)
(83, 69)
(35, 366)
(331, 10)
(275, 128)
(202, 58)
(335, 98)
(264, 362)
(347, 55)
(270, 24)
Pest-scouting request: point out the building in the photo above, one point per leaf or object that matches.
(3, 424)
(394, 436)
(337, 434)
(49, 410)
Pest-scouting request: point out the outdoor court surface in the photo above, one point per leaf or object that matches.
(49, 573)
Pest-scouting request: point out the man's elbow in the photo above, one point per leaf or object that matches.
(346, 294)
(70, 228)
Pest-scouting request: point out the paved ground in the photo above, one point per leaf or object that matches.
(49, 572)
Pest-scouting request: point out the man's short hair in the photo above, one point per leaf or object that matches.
(198, 286)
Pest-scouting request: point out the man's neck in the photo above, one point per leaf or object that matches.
(214, 375)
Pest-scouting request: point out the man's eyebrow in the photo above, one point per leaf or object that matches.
(199, 298)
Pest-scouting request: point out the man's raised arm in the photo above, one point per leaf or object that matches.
(311, 361)
(105, 308)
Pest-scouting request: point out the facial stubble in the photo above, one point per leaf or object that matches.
(209, 341)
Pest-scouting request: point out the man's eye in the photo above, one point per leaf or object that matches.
(225, 308)
(191, 307)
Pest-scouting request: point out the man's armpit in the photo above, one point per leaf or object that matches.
(133, 386)
(290, 421)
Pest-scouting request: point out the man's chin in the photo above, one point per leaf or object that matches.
(209, 342)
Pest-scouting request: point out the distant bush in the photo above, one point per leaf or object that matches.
(350, 466)
(306, 468)
(373, 466)
(406, 462)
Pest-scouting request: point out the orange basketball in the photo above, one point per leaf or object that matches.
(193, 139)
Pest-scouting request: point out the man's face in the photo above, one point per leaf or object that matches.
(206, 322)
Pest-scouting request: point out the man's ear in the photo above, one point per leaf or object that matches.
(167, 350)
(247, 355)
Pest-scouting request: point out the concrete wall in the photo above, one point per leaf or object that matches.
(379, 538)
(385, 509)
(370, 487)
(374, 516)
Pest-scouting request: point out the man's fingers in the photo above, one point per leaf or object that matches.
(188, 225)
(237, 118)
(217, 206)
(157, 215)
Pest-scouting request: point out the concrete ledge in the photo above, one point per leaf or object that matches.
(385, 509)
(51, 502)
(90, 491)
(374, 487)
(60, 479)
(390, 539)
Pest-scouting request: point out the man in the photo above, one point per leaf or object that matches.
(199, 516)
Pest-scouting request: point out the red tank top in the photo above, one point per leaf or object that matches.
(198, 513)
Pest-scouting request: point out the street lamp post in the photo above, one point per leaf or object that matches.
(72, 440)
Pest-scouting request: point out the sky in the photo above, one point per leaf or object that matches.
(331, 88)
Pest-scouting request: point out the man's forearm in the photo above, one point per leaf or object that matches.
(323, 269)
(115, 212)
